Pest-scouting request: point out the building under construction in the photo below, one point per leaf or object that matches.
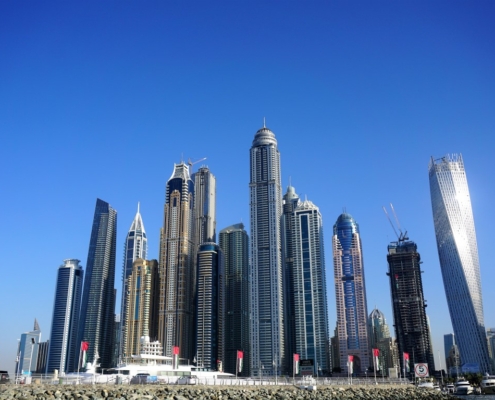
(406, 288)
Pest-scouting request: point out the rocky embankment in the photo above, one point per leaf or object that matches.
(159, 392)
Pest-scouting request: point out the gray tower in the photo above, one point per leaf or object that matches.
(96, 324)
(63, 348)
(267, 302)
(205, 191)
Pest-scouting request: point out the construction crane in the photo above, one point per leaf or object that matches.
(402, 236)
(191, 163)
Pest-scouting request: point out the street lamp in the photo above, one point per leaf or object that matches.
(18, 360)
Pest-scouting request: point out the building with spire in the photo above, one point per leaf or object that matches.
(290, 202)
(96, 324)
(136, 246)
(309, 287)
(234, 244)
(205, 191)
(350, 291)
(63, 348)
(408, 303)
(177, 266)
(266, 275)
(28, 350)
(380, 339)
(142, 290)
(458, 253)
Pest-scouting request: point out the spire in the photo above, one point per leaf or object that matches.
(264, 122)
(36, 325)
(137, 223)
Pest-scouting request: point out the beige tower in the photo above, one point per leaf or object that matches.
(142, 305)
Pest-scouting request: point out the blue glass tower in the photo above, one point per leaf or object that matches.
(96, 325)
(63, 347)
(350, 290)
(28, 350)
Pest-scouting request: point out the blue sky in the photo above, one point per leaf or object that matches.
(100, 99)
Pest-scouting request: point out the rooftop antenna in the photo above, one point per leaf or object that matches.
(264, 122)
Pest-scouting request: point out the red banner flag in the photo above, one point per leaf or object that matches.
(406, 361)
(84, 346)
(376, 352)
(240, 358)
(296, 363)
(351, 358)
(175, 357)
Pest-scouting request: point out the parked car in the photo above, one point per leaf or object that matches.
(4, 377)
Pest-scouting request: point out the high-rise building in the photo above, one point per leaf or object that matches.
(266, 275)
(408, 303)
(350, 291)
(290, 202)
(380, 339)
(142, 306)
(490, 334)
(42, 357)
(177, 266)
(96, 323)
(448, 342)
(458, 254)
(234, 244)
(210, 309)
(136, 246)
(309, 290)
(28, 350)
(63, 349)
(205, 191)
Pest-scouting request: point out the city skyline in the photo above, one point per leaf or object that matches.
(359, 96)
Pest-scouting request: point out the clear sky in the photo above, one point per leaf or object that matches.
(100, 99)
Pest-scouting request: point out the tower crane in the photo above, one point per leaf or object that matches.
(191, 163)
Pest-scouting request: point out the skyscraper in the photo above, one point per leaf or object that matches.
(408, 303)
(136, 246)
(142, 306)
(310, 294)
(266, 275)
(210, 317)
(205, 191)
(63, 350)
(350, 291)
(28, 350)
(96, 324)
(177, 265)
(234, 244)
(458, 254)
(448, 343)
(290, 202)
(380, 339)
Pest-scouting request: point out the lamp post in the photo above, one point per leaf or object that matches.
(31, 357)
(18, 360)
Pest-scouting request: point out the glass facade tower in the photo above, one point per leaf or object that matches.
(350, 291)
(458, 254)
(96, 324)
(309, 290)
(63, 348)
(266, 301)
(177, 266)
(234, 244)
(136, 246)
(210, 306)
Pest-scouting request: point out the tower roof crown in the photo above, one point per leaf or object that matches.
(137, 223)
(264, 136)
